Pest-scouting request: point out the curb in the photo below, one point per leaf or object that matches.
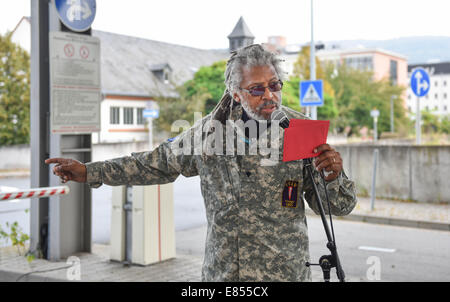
(12, 276)
(19, 174)
(421, 224)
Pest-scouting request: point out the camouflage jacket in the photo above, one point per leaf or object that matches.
(257, 227)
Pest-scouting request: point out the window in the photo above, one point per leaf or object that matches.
(445, 107)
(445, 95)
(409, 96)
(393, 72)
(128, 116)
(114, 115)
(436, 96)
(436, 83)
(166, 76)
(139, 117)
(445, 83)
(436, 108)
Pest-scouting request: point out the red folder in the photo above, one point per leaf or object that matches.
(302, 137)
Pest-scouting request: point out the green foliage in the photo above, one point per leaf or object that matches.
(14, 93)
(182, 108)
(201, 94)
(328, 111)
(445, 125)
(302, 70)
(432, 123)
(290, 95)
(15, 234)
(357, 94)
(208, 79)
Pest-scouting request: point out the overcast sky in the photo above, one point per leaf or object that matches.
(206, 23)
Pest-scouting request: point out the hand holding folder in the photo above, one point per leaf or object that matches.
(302, 137)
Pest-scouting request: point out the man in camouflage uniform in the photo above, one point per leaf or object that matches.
(254, 203)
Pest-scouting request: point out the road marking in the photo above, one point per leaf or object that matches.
(376, 249)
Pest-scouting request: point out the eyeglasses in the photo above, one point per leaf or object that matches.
(260, 90)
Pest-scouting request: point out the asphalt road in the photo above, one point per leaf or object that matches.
(368, 252)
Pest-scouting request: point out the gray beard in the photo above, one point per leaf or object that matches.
(254, 114)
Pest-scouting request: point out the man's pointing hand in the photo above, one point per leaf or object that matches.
(68, 169)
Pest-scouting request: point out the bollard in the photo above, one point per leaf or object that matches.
(34, 193)
(374, 176)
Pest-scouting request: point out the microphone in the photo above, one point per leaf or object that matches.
(281, 117)
(326, 262)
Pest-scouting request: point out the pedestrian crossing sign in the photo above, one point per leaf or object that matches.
(311, 93)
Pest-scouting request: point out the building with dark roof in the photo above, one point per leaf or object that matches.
(135, 71)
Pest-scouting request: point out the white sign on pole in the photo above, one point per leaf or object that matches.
(374, 113)
(75, 88)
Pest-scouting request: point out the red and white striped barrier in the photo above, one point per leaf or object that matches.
(34, 193)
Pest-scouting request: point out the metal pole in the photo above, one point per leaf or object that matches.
(150, 133)
(39, 123)
(374, 177)
(313, 62)
(375, 130)
(418, 118)
(392, 113)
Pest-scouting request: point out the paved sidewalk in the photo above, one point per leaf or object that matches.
(186, 267)
(402, 213)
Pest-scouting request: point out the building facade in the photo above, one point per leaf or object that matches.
(384, 64)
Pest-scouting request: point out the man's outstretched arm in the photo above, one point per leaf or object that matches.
(159, 166)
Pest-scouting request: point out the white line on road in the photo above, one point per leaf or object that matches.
(376, 249)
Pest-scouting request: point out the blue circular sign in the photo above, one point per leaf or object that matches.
(420, 82)
(77, 15)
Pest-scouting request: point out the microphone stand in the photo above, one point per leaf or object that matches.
(326, 262)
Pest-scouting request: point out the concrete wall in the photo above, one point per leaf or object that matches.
(15, 157)
(404, 172)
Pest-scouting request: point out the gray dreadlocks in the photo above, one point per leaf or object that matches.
(249, 56)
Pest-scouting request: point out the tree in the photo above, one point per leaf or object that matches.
(200, 94)
(301, 72)
(208, 79)
(181, 108)
(14, 93)
(357, 93)
(430, 122)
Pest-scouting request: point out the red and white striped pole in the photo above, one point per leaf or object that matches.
(34, 193)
